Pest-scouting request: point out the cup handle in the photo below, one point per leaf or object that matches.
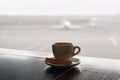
(74, 48)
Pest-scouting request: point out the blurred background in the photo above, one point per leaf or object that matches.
(33, 25)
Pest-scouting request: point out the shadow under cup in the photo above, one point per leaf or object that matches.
(64, 51)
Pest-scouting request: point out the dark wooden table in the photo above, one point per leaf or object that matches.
(16, 66)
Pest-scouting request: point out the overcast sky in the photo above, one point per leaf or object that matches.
(59, 7)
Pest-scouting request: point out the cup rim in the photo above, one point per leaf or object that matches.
(62, 44)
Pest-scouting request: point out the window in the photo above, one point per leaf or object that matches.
(35, 24)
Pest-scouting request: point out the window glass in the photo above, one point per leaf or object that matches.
(34, 25)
